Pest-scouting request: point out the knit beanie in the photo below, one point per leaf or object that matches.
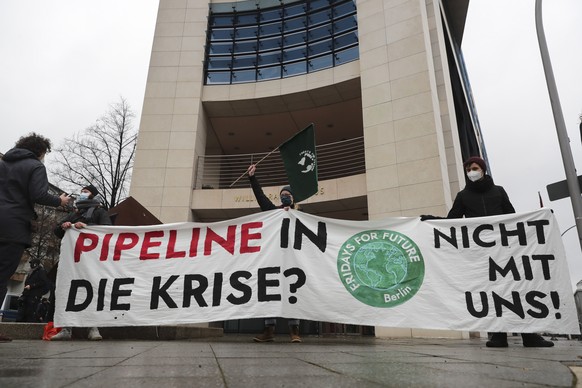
(92, 189)
(478, 160)
(286, 188)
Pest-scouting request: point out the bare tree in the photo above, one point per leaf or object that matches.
(45, 244)
(101, 155)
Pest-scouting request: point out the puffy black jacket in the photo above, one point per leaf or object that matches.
(480, 199)
(23, 182)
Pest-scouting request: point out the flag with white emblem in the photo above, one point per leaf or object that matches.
(300, 160)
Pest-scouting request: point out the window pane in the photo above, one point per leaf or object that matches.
(246, 19)
(345, 24)
(294, 54)
(222, 34)
(294, 39)
(222, 21)
(245, 61)
(220, 48)
(320, 63)
(294, 24)
(220, 63)
(348, 55)
(269, 73)
(294, 10)
(246, 32)
(222, 77)
(320, 32)
(243, 76)
(317, 4)
(264, 40)
(270, 58)
(268, 16)
(271, 29)
(294, 69)
(245, 47)
(346, 40)
(319, 17)
(320, 48)
(344, 9)
(270, 44)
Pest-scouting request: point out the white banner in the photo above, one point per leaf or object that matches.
(505, 273)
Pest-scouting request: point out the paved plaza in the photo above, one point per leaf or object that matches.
(235, 361)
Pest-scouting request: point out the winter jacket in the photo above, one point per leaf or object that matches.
(480, 199)
(23, 182)
(38, 282)
(88, 212)
(263, 201)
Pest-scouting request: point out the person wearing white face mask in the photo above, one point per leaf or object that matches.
(89, 211)
(481, 198)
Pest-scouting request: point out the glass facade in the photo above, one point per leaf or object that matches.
(468, 127)
(280, 42)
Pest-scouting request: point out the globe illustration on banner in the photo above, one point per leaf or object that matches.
(381, 268)
(380, 265)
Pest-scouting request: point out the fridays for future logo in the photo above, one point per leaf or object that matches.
(381, 268)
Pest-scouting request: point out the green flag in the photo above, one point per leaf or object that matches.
(300, 159)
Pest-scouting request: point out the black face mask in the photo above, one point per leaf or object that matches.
(286, 200)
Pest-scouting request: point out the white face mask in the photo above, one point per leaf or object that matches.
(474, 176)
(83, 197)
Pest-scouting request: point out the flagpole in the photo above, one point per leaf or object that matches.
(563, 140)
(256, 164)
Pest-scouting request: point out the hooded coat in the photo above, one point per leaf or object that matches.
(23, 182)
(480, 199)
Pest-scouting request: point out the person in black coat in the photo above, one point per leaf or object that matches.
(287, 202)
(23, 183)
(480, 198)
(89, 211)
(36, 285)
(42, 310)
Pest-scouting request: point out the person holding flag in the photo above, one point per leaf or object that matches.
(287, 202)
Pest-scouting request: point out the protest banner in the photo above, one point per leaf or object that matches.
(503, 274)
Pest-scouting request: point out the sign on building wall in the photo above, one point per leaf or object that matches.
(504, 273)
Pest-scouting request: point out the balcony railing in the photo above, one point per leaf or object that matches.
(334, 160)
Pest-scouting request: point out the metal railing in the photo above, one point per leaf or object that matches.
(335, 160)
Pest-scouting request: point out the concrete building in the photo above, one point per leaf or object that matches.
(382, 80)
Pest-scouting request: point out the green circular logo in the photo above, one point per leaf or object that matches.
(381, 268)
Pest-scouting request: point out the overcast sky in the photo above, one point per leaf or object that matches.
(64, 61)
(506, 73)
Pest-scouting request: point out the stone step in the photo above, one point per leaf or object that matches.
(18, 330)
